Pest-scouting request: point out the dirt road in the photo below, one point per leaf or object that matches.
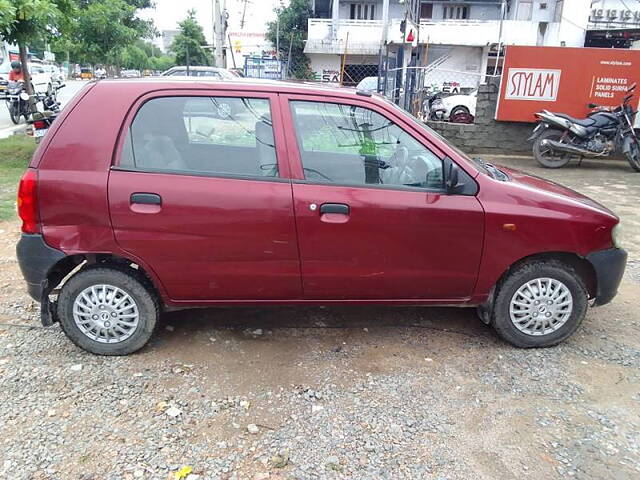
(357, 393)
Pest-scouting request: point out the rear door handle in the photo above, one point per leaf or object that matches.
(334, 208)
(146, 198)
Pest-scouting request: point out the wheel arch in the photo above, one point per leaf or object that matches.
(581, 265)
(72, 264)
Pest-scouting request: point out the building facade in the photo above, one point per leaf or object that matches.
(462, 37)
(614, 24)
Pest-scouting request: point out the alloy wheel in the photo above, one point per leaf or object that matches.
(541, 306)
(105, 313)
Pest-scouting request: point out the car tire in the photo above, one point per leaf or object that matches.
(531, 309)
(95, 291)
(458, 110)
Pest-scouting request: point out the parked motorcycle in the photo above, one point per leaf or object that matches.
(40, 122)
(558, 137)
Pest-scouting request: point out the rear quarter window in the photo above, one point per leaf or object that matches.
(206, 135)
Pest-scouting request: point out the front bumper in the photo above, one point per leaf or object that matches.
(36, 259)
(609, 267)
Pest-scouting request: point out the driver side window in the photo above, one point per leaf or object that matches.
(350, 145)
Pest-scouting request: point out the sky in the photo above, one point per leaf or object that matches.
(167, 14)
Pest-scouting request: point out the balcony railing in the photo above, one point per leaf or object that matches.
(365, 36)
(479, 32)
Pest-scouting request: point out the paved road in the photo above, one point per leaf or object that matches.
(64, 95)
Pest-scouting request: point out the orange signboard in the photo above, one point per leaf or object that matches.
(564, 80)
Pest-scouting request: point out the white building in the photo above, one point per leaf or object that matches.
(614, 24)
(460, 36)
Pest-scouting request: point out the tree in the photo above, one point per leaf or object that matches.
(106, 28)
(190, 41)
(25, 21)
(291, 34)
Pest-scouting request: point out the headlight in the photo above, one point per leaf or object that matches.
(616, 235)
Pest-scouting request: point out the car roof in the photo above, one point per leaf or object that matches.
(196, 67)
(281, 86)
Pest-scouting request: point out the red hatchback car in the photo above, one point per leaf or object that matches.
(148, 194)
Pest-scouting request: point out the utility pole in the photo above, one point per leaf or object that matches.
(219, 27)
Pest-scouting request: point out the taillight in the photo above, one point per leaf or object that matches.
(28, 201)
(39, 124)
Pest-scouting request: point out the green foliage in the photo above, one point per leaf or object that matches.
(292, 32)
(134, 57)
(191, 38)
(162, 63)
(24, 21)
(15, 153)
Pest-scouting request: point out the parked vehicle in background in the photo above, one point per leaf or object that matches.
(53, 72)
(200, 71)
(86, 73)
(100, 73)
(369, 84)
(305, 195)
(558, 137)
(42, 78)
(460, 108)
(130, 73)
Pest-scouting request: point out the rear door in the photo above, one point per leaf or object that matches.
(202, 197)
(374, 221)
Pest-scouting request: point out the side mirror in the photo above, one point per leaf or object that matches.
(456, 180)
(451, 177)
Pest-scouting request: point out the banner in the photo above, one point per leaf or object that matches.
(564, 80)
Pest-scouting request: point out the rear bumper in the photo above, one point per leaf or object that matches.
(609, 266)
(36, 258)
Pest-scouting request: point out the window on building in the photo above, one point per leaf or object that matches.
(558, 13)
(362, 11)
(426, 10)
(525, 9)
(211, 135)
(455, 12)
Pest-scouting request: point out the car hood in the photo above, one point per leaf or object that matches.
(554, 189)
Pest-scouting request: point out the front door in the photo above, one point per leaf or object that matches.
(199, 196)
(374, 221)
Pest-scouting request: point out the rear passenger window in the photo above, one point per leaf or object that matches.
(352, 145)
(216, 135)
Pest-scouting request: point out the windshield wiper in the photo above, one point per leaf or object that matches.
(491, 169)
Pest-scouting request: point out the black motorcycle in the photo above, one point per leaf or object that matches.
(17, 101)
(558, 137)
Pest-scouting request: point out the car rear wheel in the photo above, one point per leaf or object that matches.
(539, 304)
(107, 311)
(633, 156)
(545, 155)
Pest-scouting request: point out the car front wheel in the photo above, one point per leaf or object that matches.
(539, 304)
(107, 311)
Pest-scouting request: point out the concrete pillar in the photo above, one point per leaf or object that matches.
(335, 15)
(385, 20)
(483, 64)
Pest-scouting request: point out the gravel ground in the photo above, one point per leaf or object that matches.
(348, 393)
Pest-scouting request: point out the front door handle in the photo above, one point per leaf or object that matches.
(146, 198)
(334, 208)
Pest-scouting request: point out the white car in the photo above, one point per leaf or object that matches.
(42, 77)
(200, 71)
(456, 104)
(368, 83)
